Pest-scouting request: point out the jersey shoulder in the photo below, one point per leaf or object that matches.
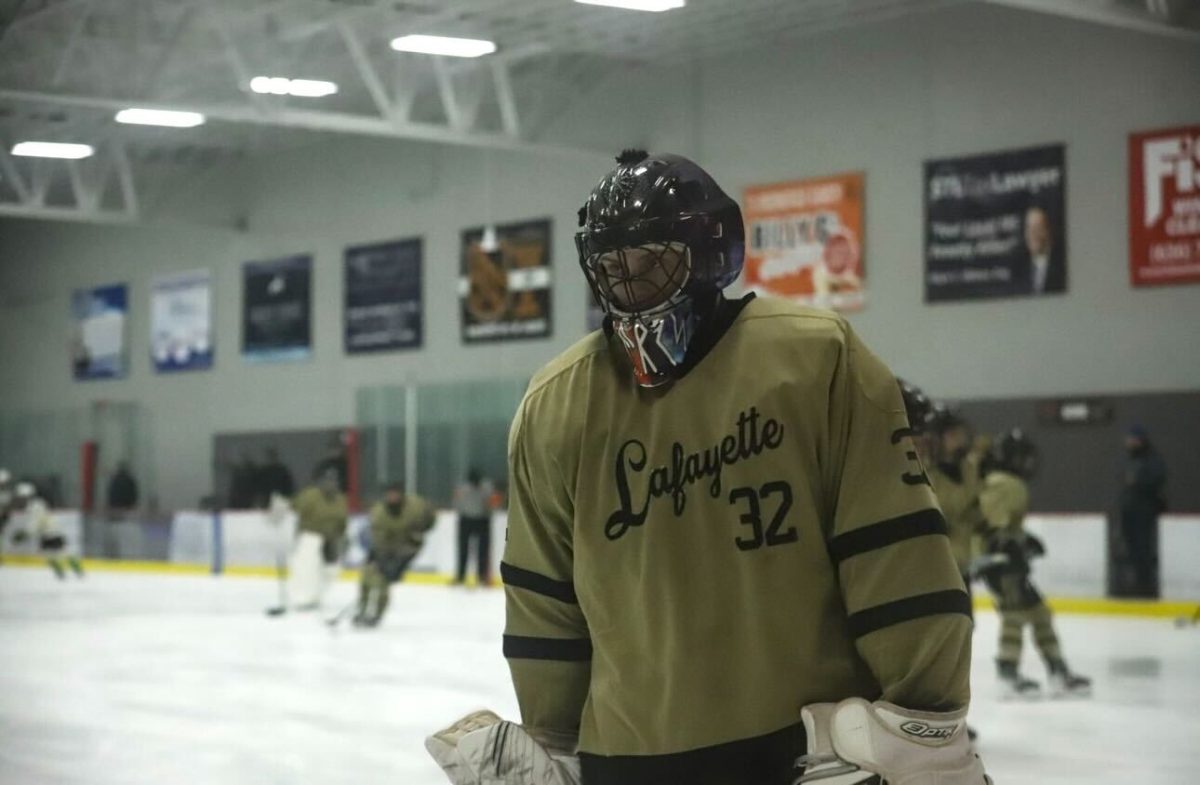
(578, 357)
(552, 388)
(771, 316)
(815, 332)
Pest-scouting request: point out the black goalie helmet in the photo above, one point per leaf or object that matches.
(657, 236)
(1016, 453)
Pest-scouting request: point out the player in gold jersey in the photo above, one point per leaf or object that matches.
(723, 554)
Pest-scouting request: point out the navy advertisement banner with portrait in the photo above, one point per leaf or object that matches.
(383, 297)
(277, 309)
(995, 225)
(98, 320)
(505, 291)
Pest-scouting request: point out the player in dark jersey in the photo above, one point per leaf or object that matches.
(723, 554)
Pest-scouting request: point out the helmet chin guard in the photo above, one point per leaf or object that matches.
(657, 344)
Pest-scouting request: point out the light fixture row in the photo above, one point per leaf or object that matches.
(310, 88)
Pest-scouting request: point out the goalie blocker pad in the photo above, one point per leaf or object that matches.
(860, 743)
(482, 749)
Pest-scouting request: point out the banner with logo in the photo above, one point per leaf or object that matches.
(804, 240)
(277, 309)
(98, 318)
(181, 322)
(995, 225)
(505, 289)
(383, 308)
(1164, 206)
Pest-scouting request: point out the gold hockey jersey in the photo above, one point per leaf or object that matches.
(958, 498)
(1005, 501)
(689, 567)
(317, 513)
(404, 532)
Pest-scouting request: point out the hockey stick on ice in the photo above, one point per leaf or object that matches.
(336, 619)
(281, 574)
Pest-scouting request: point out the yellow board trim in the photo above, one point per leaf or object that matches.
(236, 570)
(1109, 607)
(1081, 605)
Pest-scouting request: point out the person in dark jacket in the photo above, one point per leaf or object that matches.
(122, 536)
(274, 478)
(1143, 499)
(122, 490)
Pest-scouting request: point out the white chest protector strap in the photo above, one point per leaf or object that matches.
(860, 743)
(482, 749)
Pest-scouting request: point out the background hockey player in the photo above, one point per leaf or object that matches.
(32, 519)
(715, 562)
(1006, 569)
(321, 513)
(6, 501)
(398, 523)
(957, 481)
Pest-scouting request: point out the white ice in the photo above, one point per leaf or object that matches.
(164, 680)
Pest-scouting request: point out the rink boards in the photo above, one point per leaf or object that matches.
(246, 541)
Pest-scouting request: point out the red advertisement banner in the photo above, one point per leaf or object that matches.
(1164, 206)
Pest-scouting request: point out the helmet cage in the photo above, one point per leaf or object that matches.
(714, 257)
(627, 295)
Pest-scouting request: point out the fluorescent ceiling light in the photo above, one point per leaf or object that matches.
(164, 117)
(312, 88)
(52, 150)
(439, 45)
(281, 85)
(638, 5)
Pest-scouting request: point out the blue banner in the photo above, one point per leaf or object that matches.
(384, 306)
(98, 332)
(181, 322)
(277, 309)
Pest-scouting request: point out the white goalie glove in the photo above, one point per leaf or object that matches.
(860, 743)
(482, 749)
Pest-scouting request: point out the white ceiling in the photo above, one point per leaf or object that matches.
(66, 66)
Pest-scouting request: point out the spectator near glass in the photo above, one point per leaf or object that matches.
(474, 501)
(1143, 499)
(122, 535)
(274, 478)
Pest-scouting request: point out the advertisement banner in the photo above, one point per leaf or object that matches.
(1164, 206)
(277, 309)
(505, 290)
(995, 225)
(98, 318)
(804, 240)
(383, 309)
(181, 322)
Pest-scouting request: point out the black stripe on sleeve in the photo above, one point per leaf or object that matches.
(563, 591)
(885, 533)
(520, 647)
(950, 601)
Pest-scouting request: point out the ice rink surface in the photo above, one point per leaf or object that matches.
(165, 680)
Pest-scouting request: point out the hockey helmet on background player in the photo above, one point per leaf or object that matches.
(949, 433)
(917, 406)
(658, 241)
(1016, 453)
(943, 418)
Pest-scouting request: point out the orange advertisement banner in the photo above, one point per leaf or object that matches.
(804, 240)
